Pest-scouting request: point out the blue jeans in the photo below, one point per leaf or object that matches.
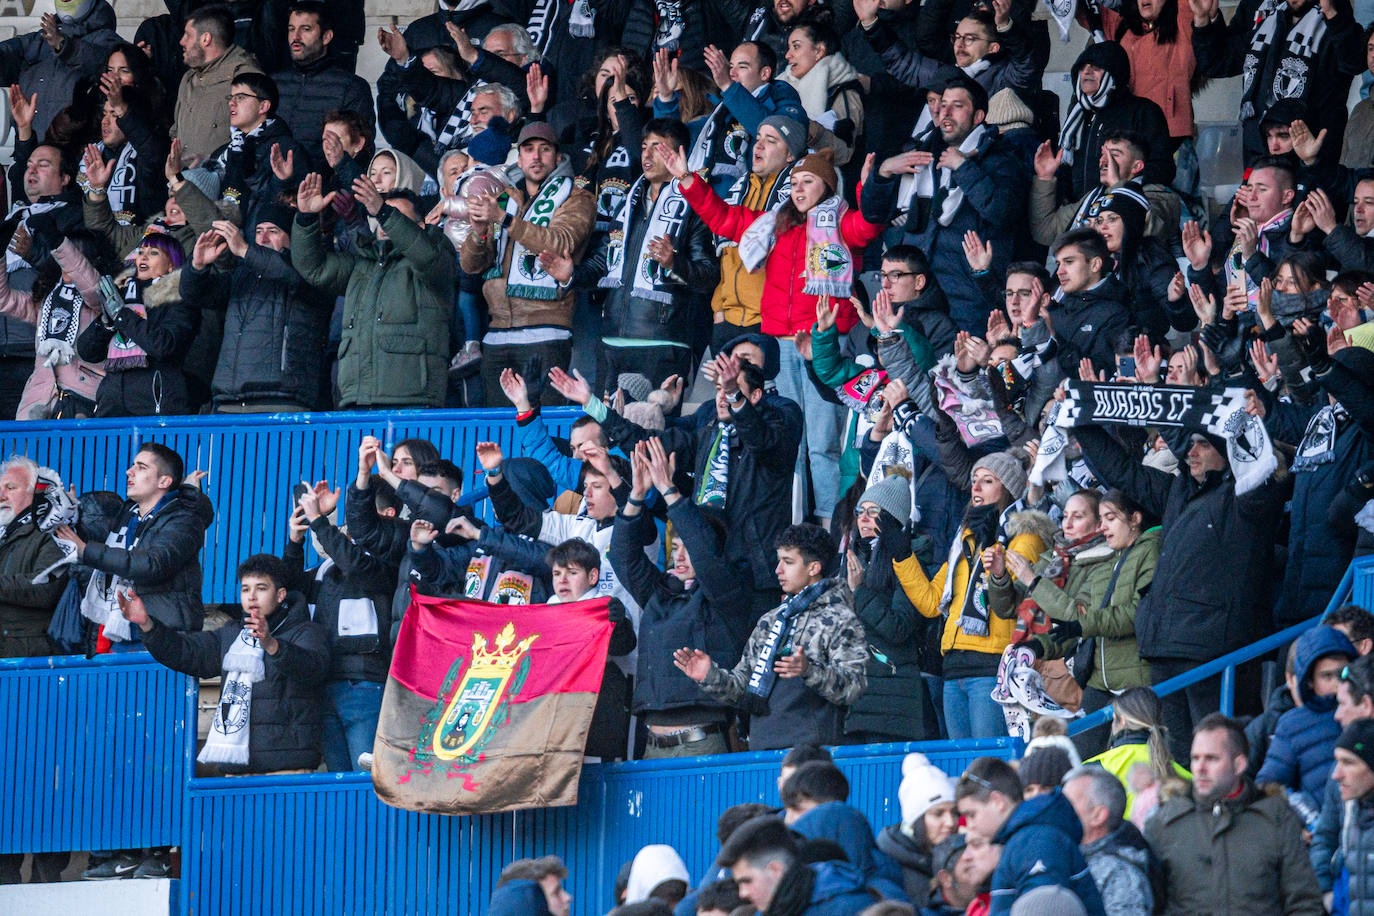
(824, 427)
(935, 689)
(351, 709)
(970, 710)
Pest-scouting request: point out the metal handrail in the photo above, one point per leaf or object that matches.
(362, 418)
(1226, 664)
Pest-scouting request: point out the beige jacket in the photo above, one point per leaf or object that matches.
(202, 113)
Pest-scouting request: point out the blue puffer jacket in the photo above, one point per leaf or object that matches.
(1317, 552)
(1357, 849)
(1039, 848)
(1300, 754)
(518, 898)
(839, 890)
(846, 826)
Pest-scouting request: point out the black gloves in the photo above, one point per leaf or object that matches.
(893, 536)
(1066, 629)
(1312, 345)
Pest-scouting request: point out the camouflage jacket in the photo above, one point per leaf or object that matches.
(827, 632)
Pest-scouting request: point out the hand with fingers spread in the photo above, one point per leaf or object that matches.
(22, 111)
(1047, 161)
(1204, 305)
(466, 49)
(1266, 364)
(694, 663)
(490, 457)
(977, 252)
(422, 534)
(464, 528)
(394, 44)
(661, 250)
(802, 341)
(51, 30)
(998, 327)
(1305, 146)
(1187, 366)
(727, 374)
(560, 266)
(675, 385)
(210, 245)
(885, 318)
(1335, 340)
(232, 235)
(309, 198)
(1178, 286)
(1088, 373)
(573, 387)
(1302, 223)
(825, 313)
(515, 389)
(327, 499)
(675, 161)
(98, 171)
(908, 163)
(1147, 360)
(665, 75)
(283, 167)
(366, 193)
(1323, 213)
(662, 466)
(719, 65)
(537, 88)
(1197, 245)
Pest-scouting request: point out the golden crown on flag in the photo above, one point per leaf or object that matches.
(505, 658)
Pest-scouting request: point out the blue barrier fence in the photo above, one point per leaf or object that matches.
(96, 752)
(253, 461)
(350, 853)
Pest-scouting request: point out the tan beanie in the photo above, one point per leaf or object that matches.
(822, 165)
(1006, 110)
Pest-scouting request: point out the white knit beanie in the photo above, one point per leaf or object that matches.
(924, 786)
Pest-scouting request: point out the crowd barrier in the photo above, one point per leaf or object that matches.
(254, 461)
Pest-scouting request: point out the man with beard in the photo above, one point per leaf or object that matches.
(314, 84)
(201, 121)
(1227, 847)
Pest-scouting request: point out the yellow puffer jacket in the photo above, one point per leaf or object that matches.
(1030, 534)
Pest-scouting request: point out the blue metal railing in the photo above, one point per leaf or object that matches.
(351, 853)
(253, 461)
(1357, 586)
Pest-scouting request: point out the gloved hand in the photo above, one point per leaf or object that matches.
(892, 534)
(111, 299)
(1313, 347)
(44, 232)
(1066, 629)
(1036, 649)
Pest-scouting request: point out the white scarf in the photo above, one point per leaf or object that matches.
(922, 183)
(814, 88)
(527, 278)
(1077, 119)
(228, 738)
(100, 604)
(668, 217)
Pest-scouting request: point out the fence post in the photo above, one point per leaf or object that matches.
(1228, 691)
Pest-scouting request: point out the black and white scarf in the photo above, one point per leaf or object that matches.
(1293, 66)
(13, 262)
(1072, 132)
(1318, 445)
(936, 197)
(59, 318)
(457, 130)
(668, 215)
(122, 189)
(762, 677)
(722, 147)
(1218, 412)
(581, 22)
(242, 668)
(668, 30)
(986, 526)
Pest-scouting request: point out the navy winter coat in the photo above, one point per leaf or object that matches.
(1300, 753)
(518, 898)
(846, 826)
(1040, 848)
(838, 890)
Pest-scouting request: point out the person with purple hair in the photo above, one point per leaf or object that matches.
(143, 331)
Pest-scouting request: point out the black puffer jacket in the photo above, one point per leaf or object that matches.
(1122, 111)
(1211, 584)
(164, 563)
(713, 615)
(354, 575)
(912, 856)
(1088, 324)
(275, 326)
(720, 23)
(284, 718)
(310, 92)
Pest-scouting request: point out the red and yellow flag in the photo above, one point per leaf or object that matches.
(487, 706)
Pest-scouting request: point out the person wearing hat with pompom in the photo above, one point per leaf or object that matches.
(926, 797)
(974, 637)
(808, 247)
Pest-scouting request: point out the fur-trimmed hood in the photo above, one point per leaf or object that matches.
(1031, 521)
(165, 290)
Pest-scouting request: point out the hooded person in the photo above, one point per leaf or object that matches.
(926, 798)
(1300, 753)
(392, 170)
(654, 867)
(1102, 101)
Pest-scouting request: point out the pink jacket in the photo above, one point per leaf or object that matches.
(78, 377)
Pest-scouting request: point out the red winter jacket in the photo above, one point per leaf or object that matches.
(786, 308)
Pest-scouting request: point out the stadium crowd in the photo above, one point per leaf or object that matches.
(1006, 420)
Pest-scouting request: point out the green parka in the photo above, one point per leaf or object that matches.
(398, 297)
(1116, 658)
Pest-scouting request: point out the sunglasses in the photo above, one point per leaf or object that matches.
(976, 780)
(871, 512)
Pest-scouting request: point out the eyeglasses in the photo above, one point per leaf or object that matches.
(895, 275)
(959, 39)
(240, 96)
(870, 512)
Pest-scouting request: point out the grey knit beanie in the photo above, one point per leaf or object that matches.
(792, 131)
(635, 385)
(206, 181)
(1050, 900)
(891, 493)
(1007, 468)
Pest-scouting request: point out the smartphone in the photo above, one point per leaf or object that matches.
(297, 492)
(1125, 367)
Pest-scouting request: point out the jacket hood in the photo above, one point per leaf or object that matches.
(1109, 56)
(651, 867)
(844, 825)
(97, 16)
(518, 898)
(1315, 644)
(409, 176)
(1032, 521)
(1049, 810)
(835, 879)
(904, 850)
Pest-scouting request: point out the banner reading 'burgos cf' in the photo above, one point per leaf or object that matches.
(488, 705)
